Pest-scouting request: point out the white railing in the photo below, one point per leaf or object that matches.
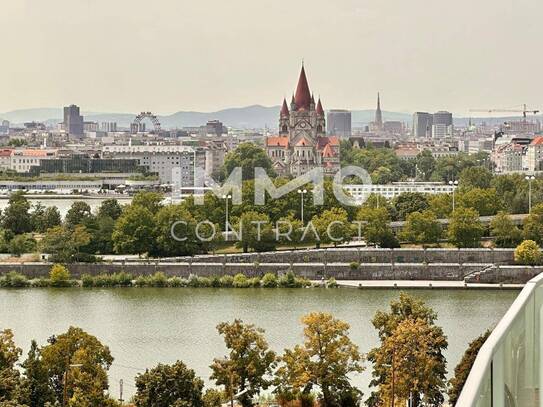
(506, 372)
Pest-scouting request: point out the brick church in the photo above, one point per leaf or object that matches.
(302, 143)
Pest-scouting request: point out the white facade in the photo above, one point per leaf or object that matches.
(361, 192)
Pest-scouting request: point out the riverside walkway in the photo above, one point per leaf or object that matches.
(409, 284)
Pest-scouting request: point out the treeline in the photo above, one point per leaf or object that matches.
(72, 368)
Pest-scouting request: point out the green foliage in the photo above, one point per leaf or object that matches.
(249, 363)
(64, 244)
(110, 208)
(44, 218)
(16, 217)
(354, 265)
(485, 201)
(36, 391)
(169, 385)
(59, 276)
(376, 227)
(13, 279)
(227, 281)
(134, 231)
(441, 205)
(465, 229)
(421, 228)
(121, 279)
(533, 225)
(475, 177)
(462, 369)
(528, 252)
(381, 163)
(152, 201)
(240, 281)
(269, 280)
(425, 164)
(213, 398)
(290, 280)
(248, 156)
(506, 234)
(257, 232)
(332, 283)
(421, 328)
(78, 213)
(409, 202)
(332, 226)
(21, 244)
(9, 375)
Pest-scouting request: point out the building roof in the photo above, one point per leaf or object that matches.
(323, 141)
(327, 151)
(5, 152)
(320, 110)
(284, 108)
(302, 97)
(537, 140)
(303, 142)
(279, 141)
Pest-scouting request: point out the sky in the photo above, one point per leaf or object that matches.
(205, 55)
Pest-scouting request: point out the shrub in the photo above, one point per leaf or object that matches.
(227, 281)
(528, 252)
(41, 283)
(143, 281)
(289, 280)
(269, 280)
(354, 265)
(215, 281)
(158, 279)
(87, 280)
(193, 281)
(254, 282)
(59, 276)
(21, 244)
(14, 280)
(240, 281)
(121, 279)
(204, 281)
(332, 283)
(177, 282)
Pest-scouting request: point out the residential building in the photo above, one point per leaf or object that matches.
(361, 192)
(24, 160)
(534, 155)
(110, 127)
(509, 157)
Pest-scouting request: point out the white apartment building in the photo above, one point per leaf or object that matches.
(534, 155)
(360, 192)
(24, 160)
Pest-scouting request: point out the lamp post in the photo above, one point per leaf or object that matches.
(530, 178)
(454, 184)
(226, 197)
(302, 192)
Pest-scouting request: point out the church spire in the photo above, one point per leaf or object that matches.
(378, 114)
(302, 96)
(284, 108)
(320, 110)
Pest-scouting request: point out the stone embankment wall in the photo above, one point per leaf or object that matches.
(473, 265)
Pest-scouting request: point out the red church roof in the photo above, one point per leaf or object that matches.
(284, 108)
(328, 152)
(320, 110)
(302, 97)
(277, 141)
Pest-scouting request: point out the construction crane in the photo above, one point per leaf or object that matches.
(525, 110)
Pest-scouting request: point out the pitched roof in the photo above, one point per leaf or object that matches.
(302, 97)
(320, 110)
(327, 151)
(277, 141)
(303, 142)
(537, 140)
(284, 108)
(323, 141)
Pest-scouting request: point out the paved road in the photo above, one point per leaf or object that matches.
(406, 284)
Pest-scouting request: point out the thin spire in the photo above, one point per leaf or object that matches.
(303, 95)
(378, 113)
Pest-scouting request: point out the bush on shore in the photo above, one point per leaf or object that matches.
(14, 280)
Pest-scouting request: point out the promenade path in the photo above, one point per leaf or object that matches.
(428, 284)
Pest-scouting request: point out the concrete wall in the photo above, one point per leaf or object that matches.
(365, 255)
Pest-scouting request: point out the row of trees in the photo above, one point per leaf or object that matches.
(407, 365)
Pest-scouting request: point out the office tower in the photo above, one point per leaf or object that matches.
(73, 121)
(442, 124)
(422, 124)
(338, 123)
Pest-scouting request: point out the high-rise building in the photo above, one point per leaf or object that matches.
(378, 115)
(108, 126)
(338, 123)
(442, 124)
(422, 124)
(73, 121)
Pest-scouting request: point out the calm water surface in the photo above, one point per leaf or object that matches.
(145, 326)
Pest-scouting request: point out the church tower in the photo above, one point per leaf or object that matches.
(378, 114)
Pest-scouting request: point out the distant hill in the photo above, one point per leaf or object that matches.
(249, 117)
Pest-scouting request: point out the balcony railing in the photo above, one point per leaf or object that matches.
(507, 370)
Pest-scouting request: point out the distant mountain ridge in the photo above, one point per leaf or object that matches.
(249, 117)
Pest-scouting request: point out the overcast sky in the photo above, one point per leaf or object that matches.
(171, 55)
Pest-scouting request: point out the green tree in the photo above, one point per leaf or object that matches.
(78, 213)
(425, 164)
(16, 217)
(256, 232)
(441, 205)
(421, 227)
(413, 309)
(332, 226)
(134, 230)
(21, 244)
(248, 156)
(475, 177)
(376, 226)
(462, 369)
(88, 376)
(110, 208)
(325, 361)
(533, 225)
(528, 252)
(249, 364)
(465, 229)
(290, 230)
(44, 218)
(9, 375)
(169, 385)
(152, 201)
(409, 353)
(485, 201)
(506, 234)
(36, 391)
(64, 244)
(409, 202)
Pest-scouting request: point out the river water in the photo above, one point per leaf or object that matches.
(145, 326)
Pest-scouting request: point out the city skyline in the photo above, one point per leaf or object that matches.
(123, 57)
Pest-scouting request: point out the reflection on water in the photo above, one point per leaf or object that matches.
(144, 326)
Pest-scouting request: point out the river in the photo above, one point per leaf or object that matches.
(145, 326)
